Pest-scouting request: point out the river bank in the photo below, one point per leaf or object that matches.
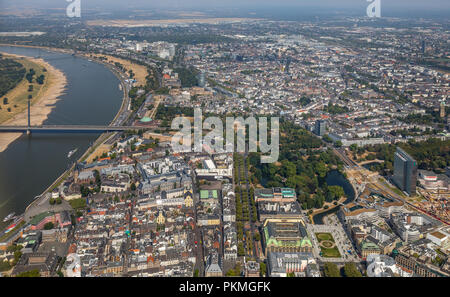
(60, 50)
(140, 71)
(102, 138)
(41, 106)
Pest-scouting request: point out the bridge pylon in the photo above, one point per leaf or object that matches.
(29, 118)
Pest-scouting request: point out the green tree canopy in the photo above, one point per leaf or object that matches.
(331, 270)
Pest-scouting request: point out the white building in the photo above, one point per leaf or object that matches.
(74, 267)
(281, 264)
(384, 266)
(440, 238)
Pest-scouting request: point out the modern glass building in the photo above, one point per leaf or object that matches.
(405, 172)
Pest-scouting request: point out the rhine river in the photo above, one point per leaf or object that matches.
(335, 178)
(32, 163)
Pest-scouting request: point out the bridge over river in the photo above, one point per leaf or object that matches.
(67, 129)
(81, 129)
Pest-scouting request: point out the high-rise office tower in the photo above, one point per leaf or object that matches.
(405, 172)
(442, 109)
(201, 79)
(320, 127)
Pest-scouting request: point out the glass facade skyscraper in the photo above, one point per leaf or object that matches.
(405, 172)
(320, 127)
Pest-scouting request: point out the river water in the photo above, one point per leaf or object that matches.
(31, 163)
(335, 178)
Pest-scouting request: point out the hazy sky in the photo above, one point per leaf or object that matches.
(339, 5)
(228, 3)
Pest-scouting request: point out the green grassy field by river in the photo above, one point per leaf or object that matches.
(18, 96)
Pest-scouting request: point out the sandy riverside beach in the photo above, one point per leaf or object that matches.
(41, 107)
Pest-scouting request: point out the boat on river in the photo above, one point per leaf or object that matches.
(9, 217)
(70, 154)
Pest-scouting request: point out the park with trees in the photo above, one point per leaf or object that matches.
(432, 154)
(302, 165)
